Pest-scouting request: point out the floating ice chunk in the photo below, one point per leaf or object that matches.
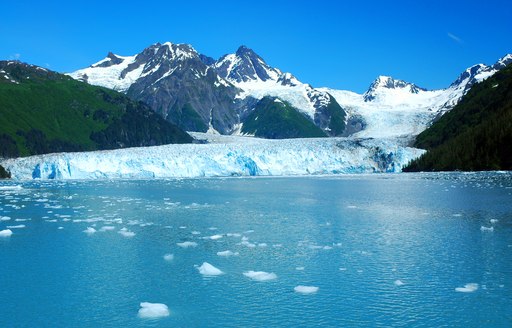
(351, 206)
(305, 289)
(126, 233)
(5, 233)
(488, 229)
(195, 233)
(187, 244)
(227, 253)
(343, 269)
(262, 245)
(107, 228)
(260, 275)
(60, 228)
(19, 226)
(468, 288)
(399, 282)
(153, 310)
(233, 234)
(4, 218)
(493, 221)
(90, 230)
(206, 269)
(169, 257)
(299, 268)
(215, 237)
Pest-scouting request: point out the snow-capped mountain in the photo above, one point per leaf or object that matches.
(383, 85)
(198, 93)
(174, 81)
(397, 108)
(250, 73)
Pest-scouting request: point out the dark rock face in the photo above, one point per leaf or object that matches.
(177, 84)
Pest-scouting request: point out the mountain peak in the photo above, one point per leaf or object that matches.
(242, 50)
(383, 82)
(245, 66)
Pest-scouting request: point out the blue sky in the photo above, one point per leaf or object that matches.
(340, 44)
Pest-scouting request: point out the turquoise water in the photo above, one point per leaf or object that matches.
(383, 250)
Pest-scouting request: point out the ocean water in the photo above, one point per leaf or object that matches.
(403, 250)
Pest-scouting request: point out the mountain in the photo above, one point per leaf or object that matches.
(251, 74)
(392, 107)
(175, 81)
(198, 93)
(476, 134)
(43, 111)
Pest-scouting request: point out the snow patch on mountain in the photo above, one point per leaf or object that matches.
(226, 156)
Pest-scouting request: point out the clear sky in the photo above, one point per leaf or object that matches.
(339, 44)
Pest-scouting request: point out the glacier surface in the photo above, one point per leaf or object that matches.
(223, 156)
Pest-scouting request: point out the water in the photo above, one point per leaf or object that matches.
(383, 250)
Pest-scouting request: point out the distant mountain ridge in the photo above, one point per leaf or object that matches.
(199, 93)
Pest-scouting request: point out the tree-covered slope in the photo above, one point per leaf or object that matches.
(476, 134)
(276, 119)
(42, 111)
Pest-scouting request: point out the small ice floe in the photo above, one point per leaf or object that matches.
(60, 228)
(107, 228)
(5, 218)
(299, 268)
(468, 288)
(227, 253)
(5, 233)
(493, 221)
(195, 233)
(187, 244)
(153, 310)
(306, 289)
(126, 233)
(399, 282)
(488, 229)
(19, 226)
(215, 237)
(206, 269)
(457, 215)
(262, 245)
(169, 257)
(90, 230)
(260, 275)
(343, 269)
(231, 234)
(351, 206)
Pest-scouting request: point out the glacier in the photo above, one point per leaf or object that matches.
(223, 156)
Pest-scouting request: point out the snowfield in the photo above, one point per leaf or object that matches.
(223, 156)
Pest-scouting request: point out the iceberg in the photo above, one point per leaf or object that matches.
(260, 275)
(153, 310)
(206, 269)
(305, 289)
(223, 156)
(5, 233)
